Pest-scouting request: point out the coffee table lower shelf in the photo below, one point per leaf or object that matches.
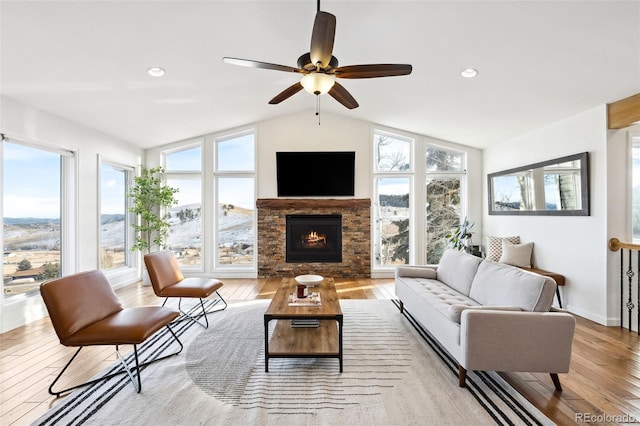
(324, 341)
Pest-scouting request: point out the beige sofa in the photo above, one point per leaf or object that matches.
(489, 316)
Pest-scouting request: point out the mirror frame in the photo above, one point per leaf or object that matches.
(584, 185)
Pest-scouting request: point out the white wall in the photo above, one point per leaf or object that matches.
(300, 132)
(574, 246)
(21, 122)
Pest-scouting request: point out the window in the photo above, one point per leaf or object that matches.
(185, 233)
(399, 238)
(635, 189)
(183, 170)
(393, 177)
(234, 186)
(114, 216)
(392, 220)
(32, 221)
(445, 172)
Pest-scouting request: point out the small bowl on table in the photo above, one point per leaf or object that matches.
(309, 280)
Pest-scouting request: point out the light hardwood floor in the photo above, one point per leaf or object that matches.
(602, 386)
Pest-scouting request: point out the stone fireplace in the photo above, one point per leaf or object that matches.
(337, 245)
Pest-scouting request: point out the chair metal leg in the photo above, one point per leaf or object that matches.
(204, 313)
(125, 369)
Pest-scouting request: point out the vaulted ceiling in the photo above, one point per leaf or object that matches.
(538, 62)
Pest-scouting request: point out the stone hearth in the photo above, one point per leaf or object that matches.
(356, 237)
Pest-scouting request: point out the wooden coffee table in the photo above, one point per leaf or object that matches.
(324, 341)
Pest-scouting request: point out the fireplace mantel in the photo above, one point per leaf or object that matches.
(356, 236)
(312, 203)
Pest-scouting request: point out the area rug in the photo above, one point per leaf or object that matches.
(392, 375)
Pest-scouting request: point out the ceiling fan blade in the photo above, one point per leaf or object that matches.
(372, 71)
(324, 31)
(257, 64)
(286, 93)
(340, 94)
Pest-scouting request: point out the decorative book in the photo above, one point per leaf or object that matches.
(312, 299)
(305, 323)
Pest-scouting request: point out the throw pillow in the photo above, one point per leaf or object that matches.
(516, 254)
(416, 272)
(494, 246)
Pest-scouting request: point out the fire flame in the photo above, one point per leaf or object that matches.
(315, 239)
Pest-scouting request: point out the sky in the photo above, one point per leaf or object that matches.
(31, 179)
(29, 194)
(112, 188)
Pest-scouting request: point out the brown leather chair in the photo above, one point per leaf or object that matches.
(167, 281)
(85, 311)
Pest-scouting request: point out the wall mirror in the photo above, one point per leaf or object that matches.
(555, 187)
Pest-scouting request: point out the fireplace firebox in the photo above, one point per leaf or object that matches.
(314, 238)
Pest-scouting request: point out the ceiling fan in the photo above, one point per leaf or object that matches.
(319, 66)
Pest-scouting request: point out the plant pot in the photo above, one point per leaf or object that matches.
(146, 281)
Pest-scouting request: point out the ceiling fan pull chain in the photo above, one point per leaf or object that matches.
(318, 108)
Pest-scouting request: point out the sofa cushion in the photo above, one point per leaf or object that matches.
(497, 284)
(457, 269)
(494, 246)
(438, 295)
(455, 311)
(516, 254)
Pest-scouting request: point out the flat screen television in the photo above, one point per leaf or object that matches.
(315, 174)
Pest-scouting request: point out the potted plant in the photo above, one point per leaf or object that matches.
(460, 237)
(151, 201)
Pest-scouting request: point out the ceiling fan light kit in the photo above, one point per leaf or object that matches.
(317, 83)
(319, 67)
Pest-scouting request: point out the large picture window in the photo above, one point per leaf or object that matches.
(444, 198)
(399, 198)
(393, 175)
(32, 221)
(234, 180)
(183, 170)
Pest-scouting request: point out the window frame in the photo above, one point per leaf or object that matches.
(216, 176)
(464, 193)
(68, 216)
(634, 141)
(129, 218)
(382, 174)
(419, 175)
(190, 175)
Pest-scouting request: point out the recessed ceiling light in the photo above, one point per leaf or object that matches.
(155, 72)
(469, 72)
